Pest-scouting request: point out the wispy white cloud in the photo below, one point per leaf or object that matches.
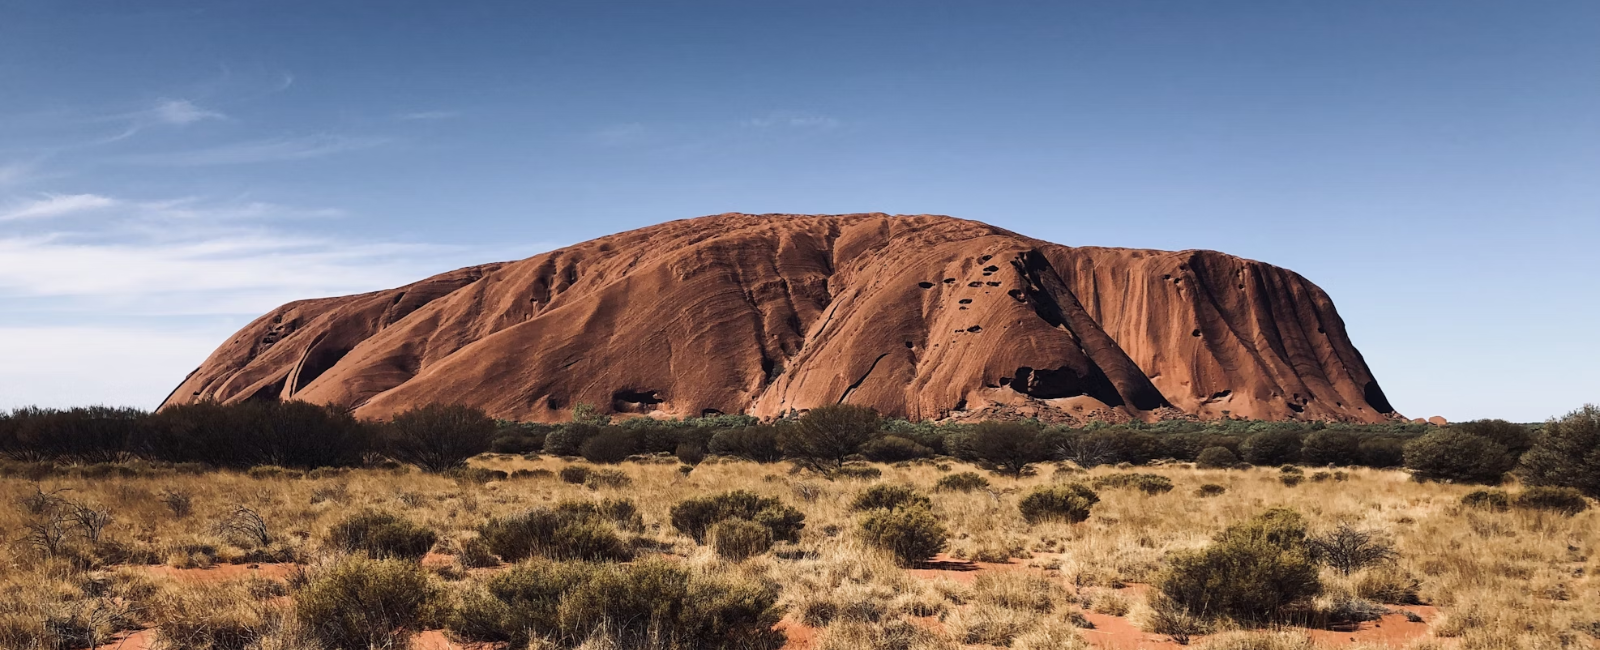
(427, 115)
(194, 256)
(56, 205)
(791, 120)
(182, 111)
(260, 151)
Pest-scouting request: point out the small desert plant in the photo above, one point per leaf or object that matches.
(961, 482)
(1388, 583)
(361, 603)
(889, 496)
(1174, 620)
(1291, 479)
(1252, 571)
(212, 617)
(575, 474)
(474, 553)
(1210, 490)
(1496, 500)
(634, 604)
(1070, 503)
(739, 539)
(248, 524)
(1565, 500)
(561, 534)
(858, 471)
(382, 535)
(1146, 483)
(1348, 548)
(1019, 590)
(695, 517)
(620, 511)
(607, 478)
(179, 502)
(912, 534)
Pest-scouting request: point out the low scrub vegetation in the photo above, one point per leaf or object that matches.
(695, 538)
(382, 535)
(1070, 503)
(695, 517)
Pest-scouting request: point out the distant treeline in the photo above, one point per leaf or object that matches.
(301, 435)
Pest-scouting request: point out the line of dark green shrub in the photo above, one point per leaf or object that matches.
(829, 439)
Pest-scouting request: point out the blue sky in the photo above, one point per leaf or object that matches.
(169, 170)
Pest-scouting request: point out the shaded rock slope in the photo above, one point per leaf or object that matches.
(925, 317)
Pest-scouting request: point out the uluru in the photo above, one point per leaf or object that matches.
(923, 317)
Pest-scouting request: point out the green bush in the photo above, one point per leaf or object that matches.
(1216, 458)
(738, 539)
(1210, 490)
(828, 435)
(1331, 448)
(1565, 500)
(1070, 503)
(912, 534)
(758, 443)
(1496, 500)
(1251, 572)
(1514, 437)
(1271, 448)
(361, 603)
(1452, 455)
(1566, 453)
(382, 535)
(610, 446)
(636, 604)
(893, 449)
(695, 517)
(961, 482)
(437, 437)
(889, 496)
(567, 438)
(1006, 447)
(559, 533)
(1146, 483)
(1383, 452)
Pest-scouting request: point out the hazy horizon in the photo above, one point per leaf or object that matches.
(169, 172)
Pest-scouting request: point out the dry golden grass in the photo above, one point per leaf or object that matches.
(1518, 579)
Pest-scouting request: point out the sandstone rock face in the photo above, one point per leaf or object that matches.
(924, 317)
